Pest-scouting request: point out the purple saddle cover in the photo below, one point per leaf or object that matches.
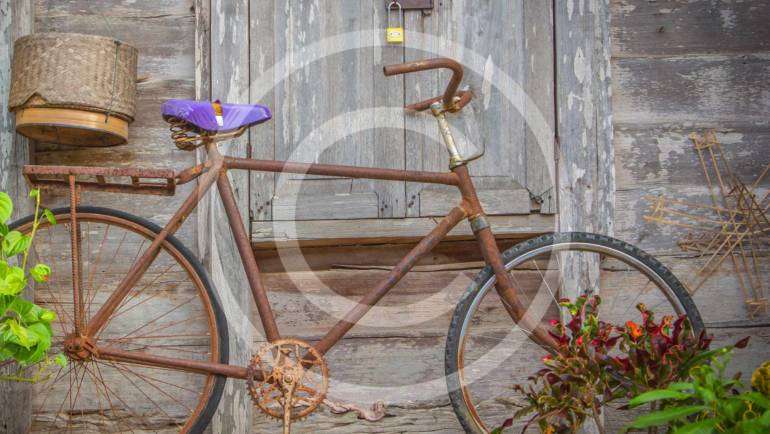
(201, 114)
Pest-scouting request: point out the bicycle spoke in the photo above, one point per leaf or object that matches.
(490, 357)
(168, 312)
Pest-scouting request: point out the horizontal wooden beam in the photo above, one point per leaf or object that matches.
(379, 231)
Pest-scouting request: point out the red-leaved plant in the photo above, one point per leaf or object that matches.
(596, 363)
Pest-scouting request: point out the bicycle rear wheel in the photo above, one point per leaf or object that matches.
(486, 353)
(172, 311)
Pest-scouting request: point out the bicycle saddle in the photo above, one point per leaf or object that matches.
(214, 117)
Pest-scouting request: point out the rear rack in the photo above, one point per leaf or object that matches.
(161, 182)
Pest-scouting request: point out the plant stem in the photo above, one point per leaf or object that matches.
(597, 419)
(35, 223)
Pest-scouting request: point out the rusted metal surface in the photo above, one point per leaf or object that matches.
(201, 367)
(734, 225)
(448, 97)
(290, 369)
(462, 99)
(77, 269)
(189, 138)
(143, 263)
(281, 380)
(122, 179)
(422, 5)
(346, 171)
(243, 244)
(399, 270)
(187, 175)
(492, 256)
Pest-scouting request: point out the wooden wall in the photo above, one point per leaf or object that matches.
(16, 20)
(678, 67)
(164, 32)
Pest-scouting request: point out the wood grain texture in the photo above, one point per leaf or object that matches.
(682, 67)
(262, 58)
(539, 84)
(16, 20)
(320, 91)
(324, 100)
(164, 32)
(586, 175)
(378, 231)
(672, 27)
(586, 161)
(230, 82)
(702, 91)
(662, 158)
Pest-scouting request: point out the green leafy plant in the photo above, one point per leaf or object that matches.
(25, 328)
(596, 363)
(708, 403)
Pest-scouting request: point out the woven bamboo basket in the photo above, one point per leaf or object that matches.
(73, 89)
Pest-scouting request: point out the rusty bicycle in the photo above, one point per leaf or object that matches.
(147, 340)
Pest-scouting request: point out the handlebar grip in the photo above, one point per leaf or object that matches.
(424, 65)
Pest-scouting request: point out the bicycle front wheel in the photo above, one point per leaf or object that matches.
(172, 311)
(486, 353)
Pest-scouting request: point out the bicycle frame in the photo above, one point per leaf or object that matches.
(214, 171)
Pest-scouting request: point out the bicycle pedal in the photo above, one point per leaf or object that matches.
(373, 414)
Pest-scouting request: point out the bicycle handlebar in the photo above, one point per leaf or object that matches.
(448, 97)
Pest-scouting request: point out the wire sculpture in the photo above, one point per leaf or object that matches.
(734, 226)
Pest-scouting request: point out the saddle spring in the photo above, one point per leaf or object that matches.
(185, 136)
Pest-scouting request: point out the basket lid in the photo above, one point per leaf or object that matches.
(90, 72)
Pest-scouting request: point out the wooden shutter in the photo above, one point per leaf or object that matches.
(317, 99)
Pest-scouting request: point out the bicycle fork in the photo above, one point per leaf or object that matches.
(483, 233)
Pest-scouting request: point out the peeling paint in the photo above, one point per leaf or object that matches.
(486, 85)
(728, 19)
(579, 65)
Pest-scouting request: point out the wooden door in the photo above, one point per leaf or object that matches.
(332, 104)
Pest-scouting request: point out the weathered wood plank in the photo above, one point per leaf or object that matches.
(388, 147)
(586, 175)
(424, 148)
(633, 205)
(202, 86)
(16, 19)
(438, 202)
(378, 231)
(452, 254)
(262, 59)
(643, 28)
(586, 162)
(230, 82)
(164, 42)
(539, 87)
(322, 117)
(663, 156)
(331, 206)
(702, 91)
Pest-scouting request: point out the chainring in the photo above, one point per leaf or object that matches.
(283, 365)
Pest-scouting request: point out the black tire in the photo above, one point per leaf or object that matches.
(204, 418)
(487, 275)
